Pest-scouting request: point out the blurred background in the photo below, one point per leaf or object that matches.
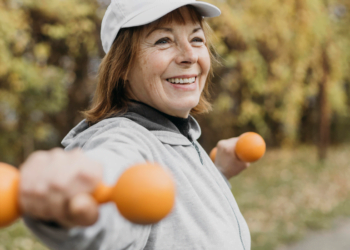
(284, 72)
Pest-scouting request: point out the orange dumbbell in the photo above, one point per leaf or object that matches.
(250, 147)
(144, 194)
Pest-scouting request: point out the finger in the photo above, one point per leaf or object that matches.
(57, 203)
(232, 140)
(77, 176)
(36, 209)
(31, 170)
(227, 146)
(83, 210)
(37, 156)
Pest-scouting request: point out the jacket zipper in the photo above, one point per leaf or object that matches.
(234, 212)
(198, 152)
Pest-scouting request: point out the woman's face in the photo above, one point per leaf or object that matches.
(171, 69)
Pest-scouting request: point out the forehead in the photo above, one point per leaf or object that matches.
(181, 16)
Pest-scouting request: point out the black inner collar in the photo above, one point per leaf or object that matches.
(182, 124)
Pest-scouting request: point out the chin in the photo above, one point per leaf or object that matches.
(185, 105)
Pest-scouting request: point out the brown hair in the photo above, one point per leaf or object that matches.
(111, 95)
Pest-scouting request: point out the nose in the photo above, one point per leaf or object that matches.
(187, 54)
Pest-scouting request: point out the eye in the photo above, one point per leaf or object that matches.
(197, 40)
(162, 41)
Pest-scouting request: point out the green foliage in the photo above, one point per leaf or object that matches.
(40, 41)
(18, 237)
(275, 55)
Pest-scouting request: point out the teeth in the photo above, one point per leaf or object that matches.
(182, 80)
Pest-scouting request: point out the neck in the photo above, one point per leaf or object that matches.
(173, 114)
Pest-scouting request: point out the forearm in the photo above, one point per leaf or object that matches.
(111, 231)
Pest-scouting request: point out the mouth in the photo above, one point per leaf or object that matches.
(182, 80)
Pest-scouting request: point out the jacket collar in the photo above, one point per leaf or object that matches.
(162, 125)
(153, 120)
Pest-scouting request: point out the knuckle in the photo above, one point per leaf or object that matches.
(75, 151)
(25, 191)
(38, 157)
(96, 169)
(86, 177)
(227, 150)
(221, 143)
(33, 191)
(58, 185)
(40, 191)
(56, 151)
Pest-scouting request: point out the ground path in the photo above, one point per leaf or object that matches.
(336, 238)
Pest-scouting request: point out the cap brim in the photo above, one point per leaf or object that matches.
(148, 16)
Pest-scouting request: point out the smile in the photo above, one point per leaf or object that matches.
(182, 80)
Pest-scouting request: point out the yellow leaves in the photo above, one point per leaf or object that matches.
(280, 60)
(280, 70)
(75, 32)
(36, 38)
(63, 10)
(224, 102)
(250, 111)
(42, 51)
(61, 31)
(55, 31)
(8, 100)
(16, 83)
(42, 132)
(337, 97)
(13, 27)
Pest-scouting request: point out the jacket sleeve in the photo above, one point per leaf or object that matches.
(117, 149)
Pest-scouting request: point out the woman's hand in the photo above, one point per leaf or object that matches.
(226, 160)
(55, 185)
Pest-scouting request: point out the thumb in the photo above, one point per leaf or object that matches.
(83, 210)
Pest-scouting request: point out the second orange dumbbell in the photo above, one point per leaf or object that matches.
(250, 147)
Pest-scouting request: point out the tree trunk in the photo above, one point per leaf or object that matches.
(324, 110)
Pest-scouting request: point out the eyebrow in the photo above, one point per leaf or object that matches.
(170, 30)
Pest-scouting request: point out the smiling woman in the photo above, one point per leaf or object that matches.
(155, 74)
(154, 46)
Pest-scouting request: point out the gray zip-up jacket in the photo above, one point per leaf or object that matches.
(205, 216)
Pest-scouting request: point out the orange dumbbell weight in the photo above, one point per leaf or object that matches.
(144, 194)
(250, 147)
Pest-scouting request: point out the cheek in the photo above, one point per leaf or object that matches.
(205, 62)
(154, 64)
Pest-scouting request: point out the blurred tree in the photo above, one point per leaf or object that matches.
(285, 63)
(45, 52)
(283, 69)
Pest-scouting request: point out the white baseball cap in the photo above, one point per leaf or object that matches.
(131, 13)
